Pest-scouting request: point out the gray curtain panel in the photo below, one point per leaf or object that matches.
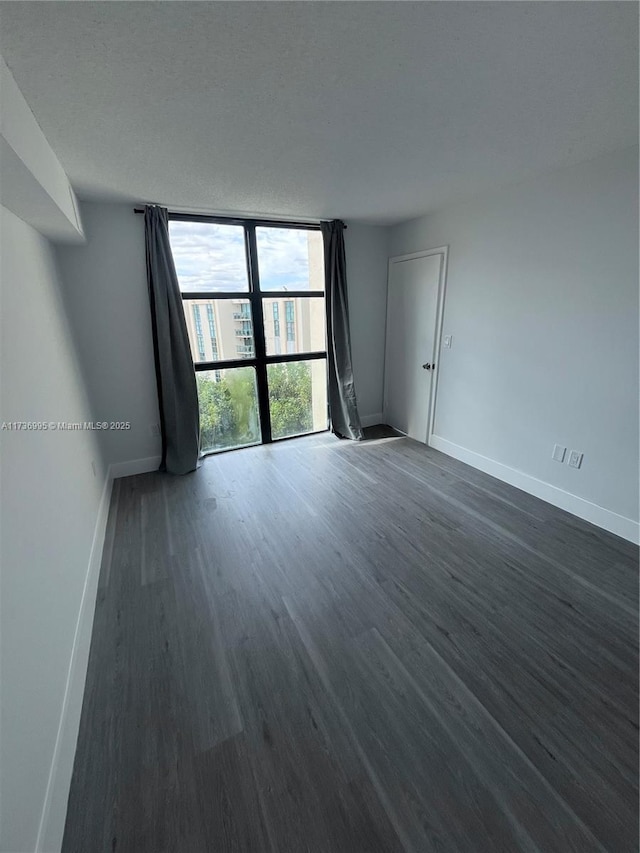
(177, 392)
(343, 408)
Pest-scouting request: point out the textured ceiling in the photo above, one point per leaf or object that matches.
(371, 111)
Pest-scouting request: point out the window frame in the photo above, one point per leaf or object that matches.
(255, 296)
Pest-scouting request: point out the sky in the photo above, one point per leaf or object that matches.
(210, 257)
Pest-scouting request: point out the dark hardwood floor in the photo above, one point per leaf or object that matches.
(345, 647)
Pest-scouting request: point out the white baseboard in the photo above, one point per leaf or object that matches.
(372, 420)
(627, 528)
(54, 808)
(134, 466)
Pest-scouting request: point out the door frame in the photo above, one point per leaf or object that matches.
(443, 251)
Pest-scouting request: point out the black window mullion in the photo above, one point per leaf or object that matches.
(258, 331)
(283, 358)
(214, 294)
(292, 294)
(224, 364)
(254, 296)
(233, 220)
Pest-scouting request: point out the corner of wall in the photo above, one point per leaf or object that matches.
(35, 187)
(52, 821)
(621, 526)
(131, 467)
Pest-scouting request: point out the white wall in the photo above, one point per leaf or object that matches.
(105, 290)
(542, 303)
(50, 544)
(366, 249)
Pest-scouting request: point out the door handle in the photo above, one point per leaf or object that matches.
(428, 366)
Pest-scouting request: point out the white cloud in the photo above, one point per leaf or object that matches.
(283, 259)
(210, 257)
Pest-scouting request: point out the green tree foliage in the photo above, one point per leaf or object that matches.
(218, 422)
(290, 398)
(229, 407)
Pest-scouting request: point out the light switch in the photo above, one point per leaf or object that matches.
(447, 341)
(558, 452)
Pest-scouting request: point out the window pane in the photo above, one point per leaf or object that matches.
(297, 397)
(290, 259)
(219, 329)
(209, 258)
(294, 325)
(228, 408)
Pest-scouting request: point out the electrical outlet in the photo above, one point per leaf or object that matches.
(558, 452)
(154, 429)
(447, 341)
(575, 459)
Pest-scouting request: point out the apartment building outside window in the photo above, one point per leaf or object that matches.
(199, 336)
(276, 328)
(212, 331)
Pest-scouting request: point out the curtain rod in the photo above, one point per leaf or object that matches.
(271, 222)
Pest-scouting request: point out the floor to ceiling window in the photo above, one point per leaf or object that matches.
(253, 298)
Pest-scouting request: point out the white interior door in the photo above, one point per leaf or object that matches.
(412, 309)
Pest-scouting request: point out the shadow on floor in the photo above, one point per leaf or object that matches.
(380, 431)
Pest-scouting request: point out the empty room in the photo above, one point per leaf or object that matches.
(319, 414)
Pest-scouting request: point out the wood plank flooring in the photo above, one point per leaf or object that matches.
(342, 647)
